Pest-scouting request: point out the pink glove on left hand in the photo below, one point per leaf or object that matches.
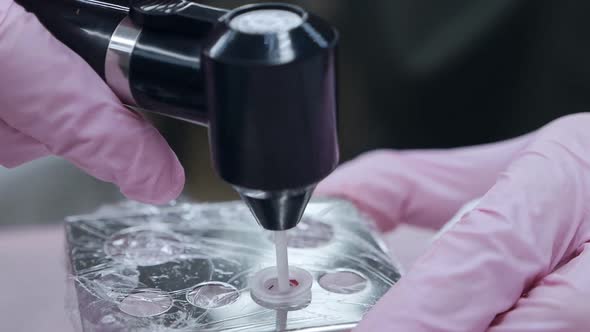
(520, 261)
(51, 102)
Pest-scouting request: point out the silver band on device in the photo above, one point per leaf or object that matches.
(117, 60)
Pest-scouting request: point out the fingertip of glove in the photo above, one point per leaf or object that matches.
(165, 188)
(175, 186)
(341, 191)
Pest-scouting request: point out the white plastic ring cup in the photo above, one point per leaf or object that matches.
(264, 287)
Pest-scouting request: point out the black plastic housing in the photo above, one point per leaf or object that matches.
(165, 68)
(166, 76)
(272, 103)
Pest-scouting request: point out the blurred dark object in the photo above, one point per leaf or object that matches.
(435, 74)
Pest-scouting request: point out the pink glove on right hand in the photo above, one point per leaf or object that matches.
(520, 261)
(51, 102)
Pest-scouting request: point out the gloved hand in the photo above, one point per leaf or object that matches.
(51, 102)
(520, 261)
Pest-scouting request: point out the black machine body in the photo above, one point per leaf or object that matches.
(262, 77)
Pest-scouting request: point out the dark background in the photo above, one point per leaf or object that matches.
(436, 74)
(413, 74)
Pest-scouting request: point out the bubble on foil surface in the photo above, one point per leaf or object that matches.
(146, 303)
(144, 247)
(343, 282)
(212, 295)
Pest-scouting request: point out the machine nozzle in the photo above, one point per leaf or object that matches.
(277, 210)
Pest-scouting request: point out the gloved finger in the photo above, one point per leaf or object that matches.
(422, 188)
(531, 220)
(17, 148)
(559, 302)
(54, 97)
(373, 182)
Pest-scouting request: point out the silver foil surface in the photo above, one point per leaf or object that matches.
(186, 267)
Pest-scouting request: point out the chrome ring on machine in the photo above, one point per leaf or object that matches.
(117, 60)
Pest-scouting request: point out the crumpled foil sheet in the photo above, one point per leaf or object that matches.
(186, 267)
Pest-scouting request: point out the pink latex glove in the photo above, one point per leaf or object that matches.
(520, 261)
(51, 102)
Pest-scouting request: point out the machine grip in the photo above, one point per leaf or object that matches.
(150, 69)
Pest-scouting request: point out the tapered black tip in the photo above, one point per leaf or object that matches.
(277, 210)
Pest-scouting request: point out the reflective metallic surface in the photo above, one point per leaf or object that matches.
(277, 210)
(266, 21)
(213, 251)
(118, 59)
(115, 5)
